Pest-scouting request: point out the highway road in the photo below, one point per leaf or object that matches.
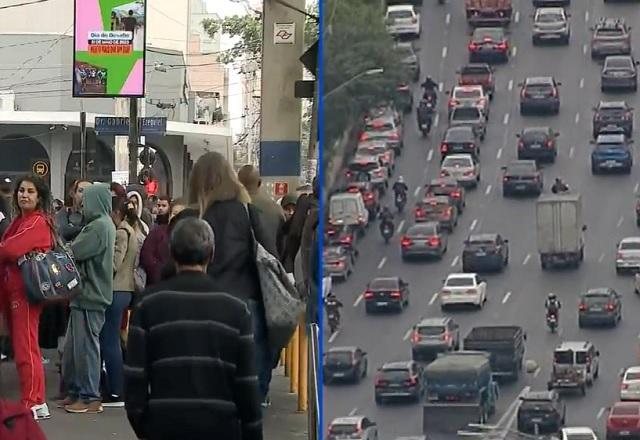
(517, 295)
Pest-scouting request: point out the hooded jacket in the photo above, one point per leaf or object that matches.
(93, 250)
(140, 211)
(124, 258)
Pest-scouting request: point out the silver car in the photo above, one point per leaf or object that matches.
(352, 428)
(424, 240)
(403, 20)
(432, 336)
(551, 24)
(471, 116)
(462, 167)
(619, 72)
(628, 255)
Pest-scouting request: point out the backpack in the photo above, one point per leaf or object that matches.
(17, 423)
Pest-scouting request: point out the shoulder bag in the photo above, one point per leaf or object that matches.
(283, 308)
(50, 275)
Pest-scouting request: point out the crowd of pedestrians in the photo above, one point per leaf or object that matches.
(170, 322)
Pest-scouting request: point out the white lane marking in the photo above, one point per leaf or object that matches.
(444, 52)
(620, 220)
(601, 257)
(440, 87)
(433, 298)
(581, 82)
(358, 300)
(436, 120)
(430, 155)
(586, 16)
(577, 118)
(635, 188)
(571, 152)
(526, 259)
(536, 372)
(455, 261)
(517, 17)
(505, 120)
(506, 297)
(474, 223)
(447, 19)
(510, 412)
(514, 51)
(600, 413)
(381, 263)
(400, 226)
(510, 85)
(584, 49)
(333, 337)
(499, 153)
(416, 192)
(488, 190)
(353, 412)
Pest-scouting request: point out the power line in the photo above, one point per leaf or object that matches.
(23, 4)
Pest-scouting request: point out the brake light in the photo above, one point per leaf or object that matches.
(411, 381)
(414, 20)
(610, 307)
(582, 307)
(468, 173)
(387, 155)
(368, 196)
(415, 336)
(364, 137)
(339, 263)
(445, 292)
(453, 102)
(447, 212)
(549, 144)
(446, 336)
(619, 256)
(419, 212)
(395, 294)
(368, 294)
(434, 241)
(353, 189)
(456, 194)
(360, 219)
(444, 173)
(346, 240)
(380, 382)
(520, 145)
(523, 93)
(627, 115)
(624, 386)
(502, 46)
(444, 148)
(505, 179)
(406, 241)
(471, 291)
(393, 136)
(554, 92)
(348, 173)
(536, 178)
(473, 46)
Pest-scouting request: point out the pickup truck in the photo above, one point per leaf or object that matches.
(480, 74)
(471, 116)
(505, 344)
(482, 13)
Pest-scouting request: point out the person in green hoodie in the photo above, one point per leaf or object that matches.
(93, 250)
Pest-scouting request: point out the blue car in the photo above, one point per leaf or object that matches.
(611, 153)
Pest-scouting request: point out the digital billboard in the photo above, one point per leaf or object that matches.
(109, 48)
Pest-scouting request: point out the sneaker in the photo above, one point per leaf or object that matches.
(95, 407)
(41, 412)
(65, 401)
(266, 403)
(113, 401)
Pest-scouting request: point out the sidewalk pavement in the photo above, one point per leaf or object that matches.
(281, 421)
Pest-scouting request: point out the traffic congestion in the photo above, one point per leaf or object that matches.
(483, 243)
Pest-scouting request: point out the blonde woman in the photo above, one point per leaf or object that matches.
(224, 203)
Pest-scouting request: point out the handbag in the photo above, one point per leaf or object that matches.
(282, 306)
(50, 275)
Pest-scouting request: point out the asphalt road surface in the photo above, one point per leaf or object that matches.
(517, 295)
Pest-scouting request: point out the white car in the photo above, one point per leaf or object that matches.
(630, 386)
(628, 255)
(402, 20)
(462, 167)
(469, 95)
(463, 288)
(578, 433)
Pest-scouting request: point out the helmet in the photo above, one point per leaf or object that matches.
(400, 179)
(551, 295)
(558, 180)
(429, 78)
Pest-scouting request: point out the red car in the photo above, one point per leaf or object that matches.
(370, 196)
(478, 75)
(623, 420)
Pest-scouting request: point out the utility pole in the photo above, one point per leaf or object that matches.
(83, 145)
(134, 140)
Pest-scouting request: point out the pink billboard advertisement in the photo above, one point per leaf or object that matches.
(109, 48)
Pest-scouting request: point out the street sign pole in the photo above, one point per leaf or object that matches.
(83, 145)
(134, 140)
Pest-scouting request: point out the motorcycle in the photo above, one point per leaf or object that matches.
(560, 189)
(334, 321)
(552, 322)
(401, 200)
(386, 229)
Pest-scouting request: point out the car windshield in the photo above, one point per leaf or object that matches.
(618, 64)
(550, 17)
(459, 282)
(343, 429)
(400, 15)
(456, 162)
(432, 330)
(440, 189)
(534, 136)
(435, 207)
(374, 149)
(378, 126)
(520, 169)
(464, 113)
(467, 94)
(482, 242)
(395, 375)
(339, 356)
(630, 246)
(579, 437)
(538, 406)
(632, 376)
(421, 230)
(459, 136)
(581, 357)
(538, 88)
(343, 206)
(597, 298)
(384, 284)
(626, 410)
(609, 32)
(333, 252)
(564, 357)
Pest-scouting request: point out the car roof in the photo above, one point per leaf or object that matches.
(484, 236)
(630, 240)
(360, 156)
(610, 22)
(372, 143)
(489, 30)
(428, 322)
(612, 104)
(594, 291)
(522, 162)
(633, 370)
(396, 365)
(349, 348)
(447, 181)
(465, 128)
(538, 395)
(393, 8)
(423, 225)
(461, 275)
(528, 130)
(351, 420)
(458, 156)
(618, 58)
(538, 80)
(610, 139)
(573, 345)
(347, 195)
(468, 88)
(549, 11)
(626, 404)
(385, 279)
(437, 199)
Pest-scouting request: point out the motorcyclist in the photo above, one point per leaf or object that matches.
(332, 305)
(386, 217)
(552, 304)
(559, 186)
(430, 89)
(424, 112)
(400, 186)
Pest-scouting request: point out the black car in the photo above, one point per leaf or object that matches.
(541, 408)
(612, 113)
(599, 306)
(447, 186)
(459, 140)
(521, 177)
(386, 293)
(540, 93)
(538, 143)
(484, 252)
(344, 364)
(399, 380)
(619, 72)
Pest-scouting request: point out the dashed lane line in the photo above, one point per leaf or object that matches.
(436, 120)
(510, 85)
(586, 16)
(635, 188)
(601, 257)
(584, 49)
(430, 155)
(474, 223)
(444, 52)
(499, 153)
(505, 120)
(407, 334)
(581, 83)
(506, 297)
(514, 51)
(400, 226)
(517, 17)
(447, 19)
(440, 86)
(433, 299)
(333, 337)
(358, 300)
(382, 262)
(488, 190)
(526, 259)
(455, 261)
(571, 151)
(620, 220)
(577, 118)
(353, 412)
(600, 413)
(536, 372)
(416, 192)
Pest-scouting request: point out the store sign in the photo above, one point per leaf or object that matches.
(109, 48)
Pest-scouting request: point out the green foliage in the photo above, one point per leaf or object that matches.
(355, 40)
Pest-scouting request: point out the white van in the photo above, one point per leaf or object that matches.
(348, 209)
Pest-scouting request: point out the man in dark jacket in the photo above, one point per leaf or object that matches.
(190, 371)
(155, 250)
(69, 220)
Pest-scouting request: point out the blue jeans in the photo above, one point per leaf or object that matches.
(264, 357)
(110, 347)
(81, 358)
